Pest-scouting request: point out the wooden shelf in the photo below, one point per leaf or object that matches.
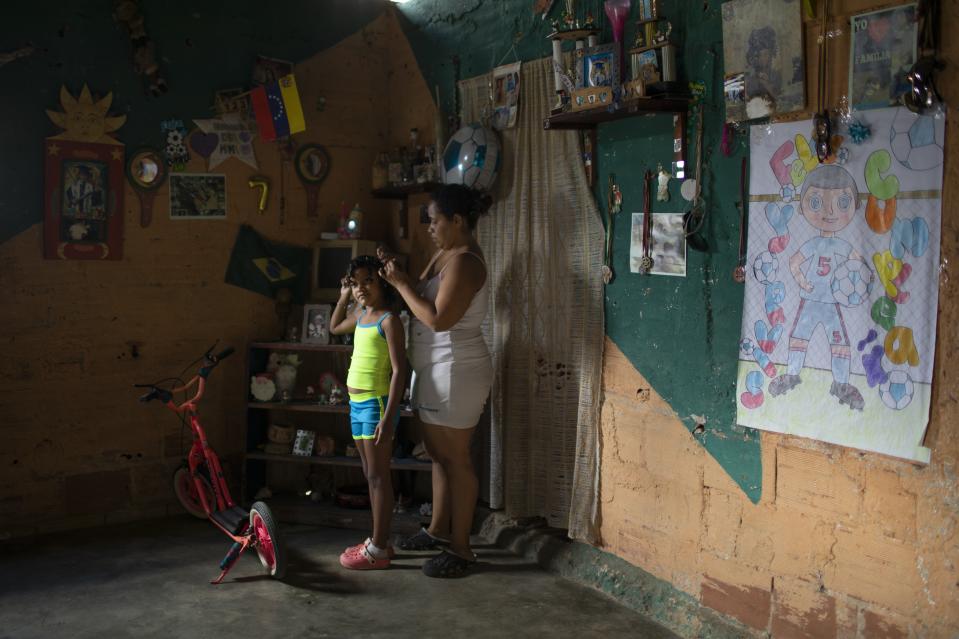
(572, 34)
(301, 346)
(651, 47)
(591, 117)
(402, 192)
(340, 460)
(311, 407)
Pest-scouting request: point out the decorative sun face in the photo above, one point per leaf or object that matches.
(85, 120)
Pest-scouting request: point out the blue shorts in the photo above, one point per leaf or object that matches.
(811, 314)
(365, 415)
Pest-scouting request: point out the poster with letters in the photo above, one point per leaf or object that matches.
(842, 285)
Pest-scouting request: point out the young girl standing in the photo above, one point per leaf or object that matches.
(375, 384)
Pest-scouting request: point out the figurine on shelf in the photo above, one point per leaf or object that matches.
(589, 20)
(336, 396)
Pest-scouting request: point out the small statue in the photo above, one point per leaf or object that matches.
(336, 396)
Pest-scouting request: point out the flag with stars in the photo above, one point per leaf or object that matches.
(277, 108)
(264, 267)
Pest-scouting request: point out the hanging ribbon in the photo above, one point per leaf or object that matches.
(739, 273)
(646, 263)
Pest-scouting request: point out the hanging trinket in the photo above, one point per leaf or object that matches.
(739, 273)
(662, 192)
(859, 131)
(614, 204)
(822, 135)
(646, 262)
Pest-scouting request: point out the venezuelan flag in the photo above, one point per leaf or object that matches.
(277, 108)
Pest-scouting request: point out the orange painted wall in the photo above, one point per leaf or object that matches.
(78, 449)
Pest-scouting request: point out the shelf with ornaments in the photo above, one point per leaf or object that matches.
(293, 388)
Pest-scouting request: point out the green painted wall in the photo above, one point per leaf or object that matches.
(203, 47)
(681, 334)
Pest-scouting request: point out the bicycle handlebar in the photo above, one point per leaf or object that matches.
(210, 362)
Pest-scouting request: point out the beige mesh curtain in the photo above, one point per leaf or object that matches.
(543, 242)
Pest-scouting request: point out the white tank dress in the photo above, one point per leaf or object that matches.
(452, 370)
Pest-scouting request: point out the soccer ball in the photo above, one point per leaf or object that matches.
(765, 267)
(472, 157)
(917, 140)
(852, 283)
(896, 392)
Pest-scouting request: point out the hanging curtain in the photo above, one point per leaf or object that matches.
(543, 241)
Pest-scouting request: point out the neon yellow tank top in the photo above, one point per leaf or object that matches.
(370, 367)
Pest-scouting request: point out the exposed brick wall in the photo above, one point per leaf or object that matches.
(842, 543)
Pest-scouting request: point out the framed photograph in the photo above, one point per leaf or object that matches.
(667, 244)
(599, 67)
(881, 54)
(316, 324)
(762, 40)
(303, 444)
(647, 9)
(197, 196)
(83, 200)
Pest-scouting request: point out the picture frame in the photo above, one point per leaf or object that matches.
(316, 324)
(303, 444)
(197, 196)
(598, 67)
(882, 50)
(83, 200)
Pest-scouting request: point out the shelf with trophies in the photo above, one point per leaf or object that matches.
(599, 86)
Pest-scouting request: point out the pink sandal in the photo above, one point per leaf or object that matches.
(363, 560)
(390, 552)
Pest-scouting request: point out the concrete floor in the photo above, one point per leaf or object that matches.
(151, 580)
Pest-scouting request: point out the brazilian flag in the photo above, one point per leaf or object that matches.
(262, 266)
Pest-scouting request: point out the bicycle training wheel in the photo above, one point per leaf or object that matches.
(186, 494)
(269, 543)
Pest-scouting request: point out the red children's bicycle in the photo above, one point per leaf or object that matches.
(201, 489)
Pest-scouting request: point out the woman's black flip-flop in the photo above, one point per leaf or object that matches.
(447, 565)
(423, 540)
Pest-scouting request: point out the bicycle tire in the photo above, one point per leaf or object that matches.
(270, 547)
(185, 491)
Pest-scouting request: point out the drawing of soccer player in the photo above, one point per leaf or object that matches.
(829, 203)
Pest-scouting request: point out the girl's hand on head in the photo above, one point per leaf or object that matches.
(345, 289)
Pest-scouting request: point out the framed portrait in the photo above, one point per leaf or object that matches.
(763, 42)
(881, 54)
(598, 67)
(83, 200)
(303, 444)
(316, 324)
(197, 196)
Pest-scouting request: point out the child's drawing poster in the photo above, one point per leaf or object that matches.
(839, 317)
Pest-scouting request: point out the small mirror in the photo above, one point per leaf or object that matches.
(146, 169)
(312, 163)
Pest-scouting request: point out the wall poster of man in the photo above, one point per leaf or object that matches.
(83, 200)
(762, 40)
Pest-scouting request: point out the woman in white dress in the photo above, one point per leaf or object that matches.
(452, 370)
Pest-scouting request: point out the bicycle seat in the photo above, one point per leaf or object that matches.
(233, 519)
